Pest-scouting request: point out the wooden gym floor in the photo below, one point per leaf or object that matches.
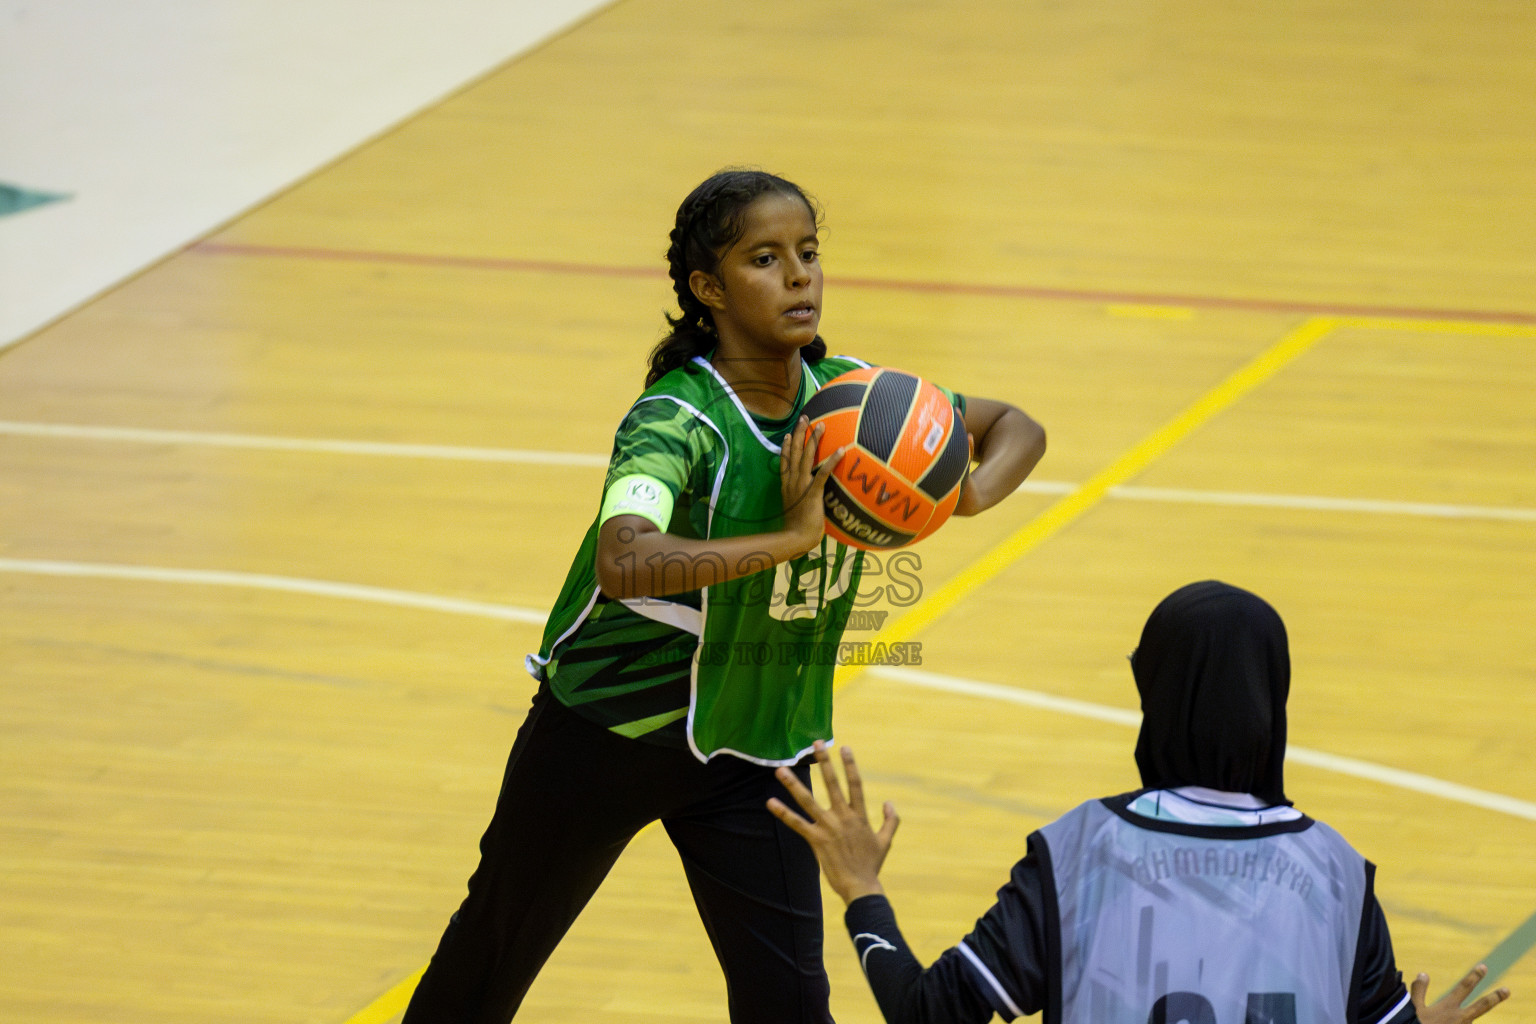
(280, 516)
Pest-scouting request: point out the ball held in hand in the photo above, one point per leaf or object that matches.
(907, 459)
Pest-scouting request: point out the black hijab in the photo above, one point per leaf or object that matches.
(1213, 669)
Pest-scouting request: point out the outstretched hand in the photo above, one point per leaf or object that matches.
(1449, 1009)
(849, 851)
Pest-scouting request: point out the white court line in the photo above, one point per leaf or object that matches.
(288, 584)
(990, 691)
(1301, 755)
(1321, 504)
(300, 444)
(549, 458)
(1306, 502)
(1010, 694)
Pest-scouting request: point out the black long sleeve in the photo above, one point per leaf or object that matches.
(944, 993)
(1001, 967)
(1379, 995)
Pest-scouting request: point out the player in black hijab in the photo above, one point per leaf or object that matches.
(1204, 897)
(1214, 670)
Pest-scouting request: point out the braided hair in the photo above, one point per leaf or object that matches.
(709, 222)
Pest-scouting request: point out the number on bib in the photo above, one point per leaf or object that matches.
(1193, 1008)
(801, 587)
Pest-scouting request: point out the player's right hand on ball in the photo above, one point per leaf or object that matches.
(802, 482)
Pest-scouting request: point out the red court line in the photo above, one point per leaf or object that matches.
(885, 284)
(420, 259)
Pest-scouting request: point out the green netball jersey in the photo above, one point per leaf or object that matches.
(743, 667)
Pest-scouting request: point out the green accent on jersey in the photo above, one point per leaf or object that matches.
(752, 658)
(638, 494)
(645, 725)
(620, 650)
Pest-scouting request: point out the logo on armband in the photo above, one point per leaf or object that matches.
(643, 492)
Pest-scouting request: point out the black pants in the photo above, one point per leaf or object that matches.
(573, 796)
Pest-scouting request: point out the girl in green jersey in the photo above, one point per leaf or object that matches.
(680, 665)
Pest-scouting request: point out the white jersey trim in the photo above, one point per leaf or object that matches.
(990, 979)
(1194, 805)
(534, 663)
(747, 416)
(669, 613)
(788, 762)
(1396, 1009)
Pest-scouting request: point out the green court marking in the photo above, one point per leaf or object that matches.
(1505, 955)
(14, 199)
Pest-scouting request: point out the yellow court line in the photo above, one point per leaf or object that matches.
(1089, 494)
(390, 1004)
(1033, 533)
